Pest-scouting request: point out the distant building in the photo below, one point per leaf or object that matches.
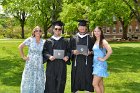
(115, 33)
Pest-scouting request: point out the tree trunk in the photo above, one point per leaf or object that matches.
(22, 23)
(124, 36)
(125, 32)
(53, 13)
(45, 31)
(22, 29)
(47, 25)
(124, 25)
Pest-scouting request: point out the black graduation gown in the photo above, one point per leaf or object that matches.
(81, 74)
(55, 70)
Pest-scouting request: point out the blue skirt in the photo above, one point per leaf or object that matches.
(100, 68)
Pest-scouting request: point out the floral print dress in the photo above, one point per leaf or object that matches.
(33, 77)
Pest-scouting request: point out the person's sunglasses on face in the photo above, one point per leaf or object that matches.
(59, 29)
(38, 31)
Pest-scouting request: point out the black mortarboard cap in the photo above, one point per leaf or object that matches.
(58, 23)
(82, 22)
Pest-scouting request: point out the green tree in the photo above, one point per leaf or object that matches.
(44, 12)
(134, 7)
(19, 10)
(124, 15)
(71, 12)
(98, 12)
(103, 11)
(7, 27)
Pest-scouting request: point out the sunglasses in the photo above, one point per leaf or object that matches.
(38, 31)
(59, 29)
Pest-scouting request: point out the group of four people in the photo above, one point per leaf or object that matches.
(88, 68)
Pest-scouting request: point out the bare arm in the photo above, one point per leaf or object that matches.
(109, 51)
(108, 48)
(21, 46)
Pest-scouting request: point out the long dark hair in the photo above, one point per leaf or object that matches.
(101, 37)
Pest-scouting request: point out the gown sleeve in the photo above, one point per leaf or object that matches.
(72, 43)
(68, 52)
(45, 51)
(72, 47)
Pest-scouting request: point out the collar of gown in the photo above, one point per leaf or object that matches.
(56, 38)
(82, 36)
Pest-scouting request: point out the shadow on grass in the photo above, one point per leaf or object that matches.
(125, 59)
(11, 70)
(132, 87)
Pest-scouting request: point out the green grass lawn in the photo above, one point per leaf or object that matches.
(124, 68)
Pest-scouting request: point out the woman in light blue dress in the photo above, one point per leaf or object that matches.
(33, 77)
(102, 51)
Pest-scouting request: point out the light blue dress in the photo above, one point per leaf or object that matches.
(99, 67)
(33, 77)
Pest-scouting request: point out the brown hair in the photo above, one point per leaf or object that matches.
(101, 37)
(33, 32)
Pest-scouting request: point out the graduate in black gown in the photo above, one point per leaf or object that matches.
(81, 73)
(56, 68)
